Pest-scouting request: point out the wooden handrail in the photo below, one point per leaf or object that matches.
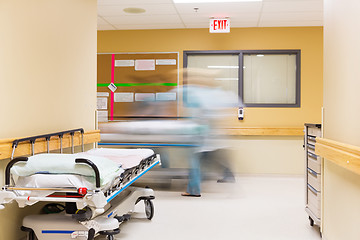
(344, 155)
(24, 148)
(265, 131)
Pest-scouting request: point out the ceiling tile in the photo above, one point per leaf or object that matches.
(161, 14)
(132, 2)
(294, 16)
(293, 6)
(135, 20)
(246, 17)
(149, 26)
(216, 9)
(290, 23)
(150, 9)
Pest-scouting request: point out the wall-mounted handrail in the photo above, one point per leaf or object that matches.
(342, 154)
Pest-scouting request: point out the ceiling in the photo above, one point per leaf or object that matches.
(164, 14)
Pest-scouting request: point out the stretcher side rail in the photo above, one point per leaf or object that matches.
(25, 159)
(8, 168)
(94, 167)
(129, 174)
(47, 138)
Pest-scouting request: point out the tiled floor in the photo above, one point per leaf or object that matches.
(253, 208)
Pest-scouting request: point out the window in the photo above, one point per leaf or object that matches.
(225, 65)
(261, 78)
(270, 78)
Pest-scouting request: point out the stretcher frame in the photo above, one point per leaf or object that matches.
(104, 203)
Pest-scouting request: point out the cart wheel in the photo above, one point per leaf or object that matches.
(149, 209)
(311, 221)
(110, 237)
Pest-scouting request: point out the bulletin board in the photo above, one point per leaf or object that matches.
(137, 85)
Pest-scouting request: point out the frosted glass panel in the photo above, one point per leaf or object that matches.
(270, 78)
(226, 66)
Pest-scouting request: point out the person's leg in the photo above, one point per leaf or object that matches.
(228, 176)
(193, 188)
(221, 158)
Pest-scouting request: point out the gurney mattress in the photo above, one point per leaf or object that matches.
(60, 170)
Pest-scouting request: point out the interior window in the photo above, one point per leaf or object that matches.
(261, 78)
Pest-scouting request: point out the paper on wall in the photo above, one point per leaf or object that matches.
(124, 97)
(143, 65)
(102, 103)
(166, 96)
(102, 116)
(147, 97)
(124, 63)
(165, 61)
(103, 94)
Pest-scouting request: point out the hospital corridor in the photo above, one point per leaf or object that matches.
(179, 119)
(254, 207)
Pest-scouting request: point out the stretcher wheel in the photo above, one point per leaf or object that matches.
(149, 209)
(31, 234)
(311, 221)
(110, 237)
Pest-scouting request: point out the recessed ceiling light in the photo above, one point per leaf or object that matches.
(213, 1)
(134, 10)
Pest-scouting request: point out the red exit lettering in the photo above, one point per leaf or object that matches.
(219, 24)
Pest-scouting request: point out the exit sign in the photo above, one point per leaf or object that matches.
(219, 25)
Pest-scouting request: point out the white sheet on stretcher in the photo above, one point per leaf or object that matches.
(53, 181)
(54, 170)
(127, 158)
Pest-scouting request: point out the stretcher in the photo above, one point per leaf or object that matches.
(94, 185)
(176, 139)
(183, 133)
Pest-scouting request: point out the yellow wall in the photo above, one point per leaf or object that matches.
(341, 116)
(282, 155)
(256, 155)
(47, 76)
(308, 39)
(47, 66)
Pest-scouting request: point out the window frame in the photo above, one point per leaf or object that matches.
(241, 54)
(297, 83)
